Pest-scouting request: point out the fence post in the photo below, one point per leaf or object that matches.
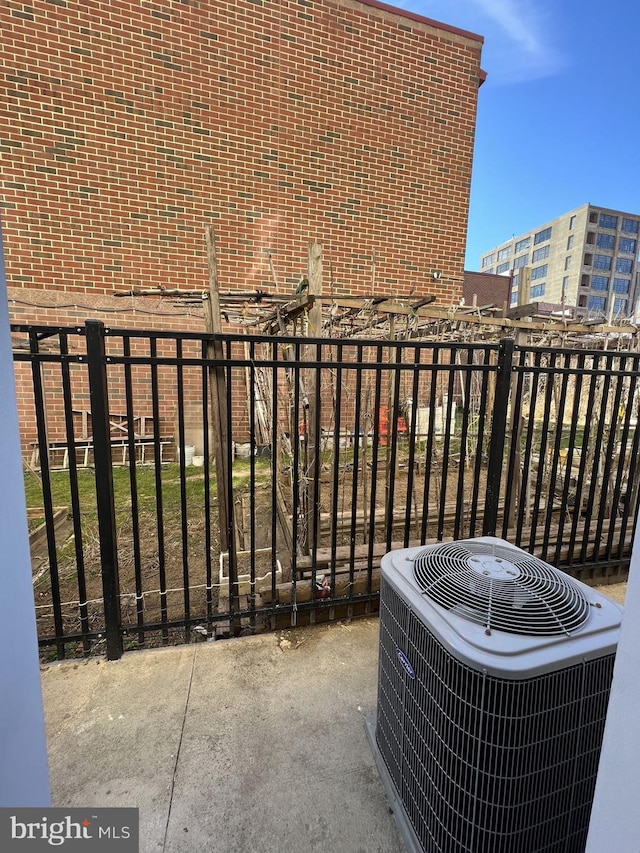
(99, 396)
(498, 436)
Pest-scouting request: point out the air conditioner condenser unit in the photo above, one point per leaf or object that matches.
(494, 678)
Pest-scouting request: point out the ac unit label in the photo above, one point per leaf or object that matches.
(406, 663)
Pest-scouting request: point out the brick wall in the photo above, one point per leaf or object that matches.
(128, 125)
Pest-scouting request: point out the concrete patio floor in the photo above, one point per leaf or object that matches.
(236, 746)
(254, 744)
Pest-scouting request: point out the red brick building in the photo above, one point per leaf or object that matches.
(129, 125)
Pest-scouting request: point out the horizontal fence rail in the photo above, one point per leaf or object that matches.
(256, 485)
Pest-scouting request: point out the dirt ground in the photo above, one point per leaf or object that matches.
(615, 591)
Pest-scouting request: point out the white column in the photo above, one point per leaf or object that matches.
(24, 777)
(615, 818)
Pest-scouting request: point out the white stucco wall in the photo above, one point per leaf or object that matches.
(615, 818)
(24, 778)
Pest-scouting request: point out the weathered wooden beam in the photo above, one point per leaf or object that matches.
(290, 310)
(456, 315)
(219, 414)
(380, 304)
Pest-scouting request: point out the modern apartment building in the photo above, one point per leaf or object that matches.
(587, 259)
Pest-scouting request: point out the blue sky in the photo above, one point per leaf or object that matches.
(558, 117)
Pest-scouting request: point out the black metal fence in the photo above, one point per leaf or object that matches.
(313, 458)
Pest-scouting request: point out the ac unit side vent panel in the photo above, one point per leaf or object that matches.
(482, 763)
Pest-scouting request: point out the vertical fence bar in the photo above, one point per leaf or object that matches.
(514, 467)
(394, 412)
(235, 622)
(251, 390)
(477, 468)
(584, 453)
(183, 490)
(428, 453)
(157, 458)
(465, 382)
(542, 451)
(446, 446)
(335, 476)
(207, 486)
(594, 484)
(315, 435)
(498, 436)
(74, 491)
(617, 498)
(274, 462)
(606, 497)
(355, 471)
(561, 402)
(45, 474)
(133, 486)
(296, 498)
(631, 489)
(374, 467)
(529, 432)
(412, 446)
(99, 396)
(568, 463)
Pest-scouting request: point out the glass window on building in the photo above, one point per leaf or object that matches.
(522, 261)
(569, 242)
(621, 285)
(606, 241)
(514, 298)
(620, 305)
(601, 262)
(488, 260)
(542, 236)
(504, 253)
(607, 220)
(540, 254)
(572, 223)
(521, 245)
(502, 267)
(537, 291)
(539, 272)
(567, 262)
(627, 245)
(599, 282)
(624, 265)
(597, 303)
(629, 226)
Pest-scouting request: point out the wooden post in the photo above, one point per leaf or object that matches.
(314, 330)
(218, 395)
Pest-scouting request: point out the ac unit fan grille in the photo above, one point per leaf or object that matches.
(501, 588)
